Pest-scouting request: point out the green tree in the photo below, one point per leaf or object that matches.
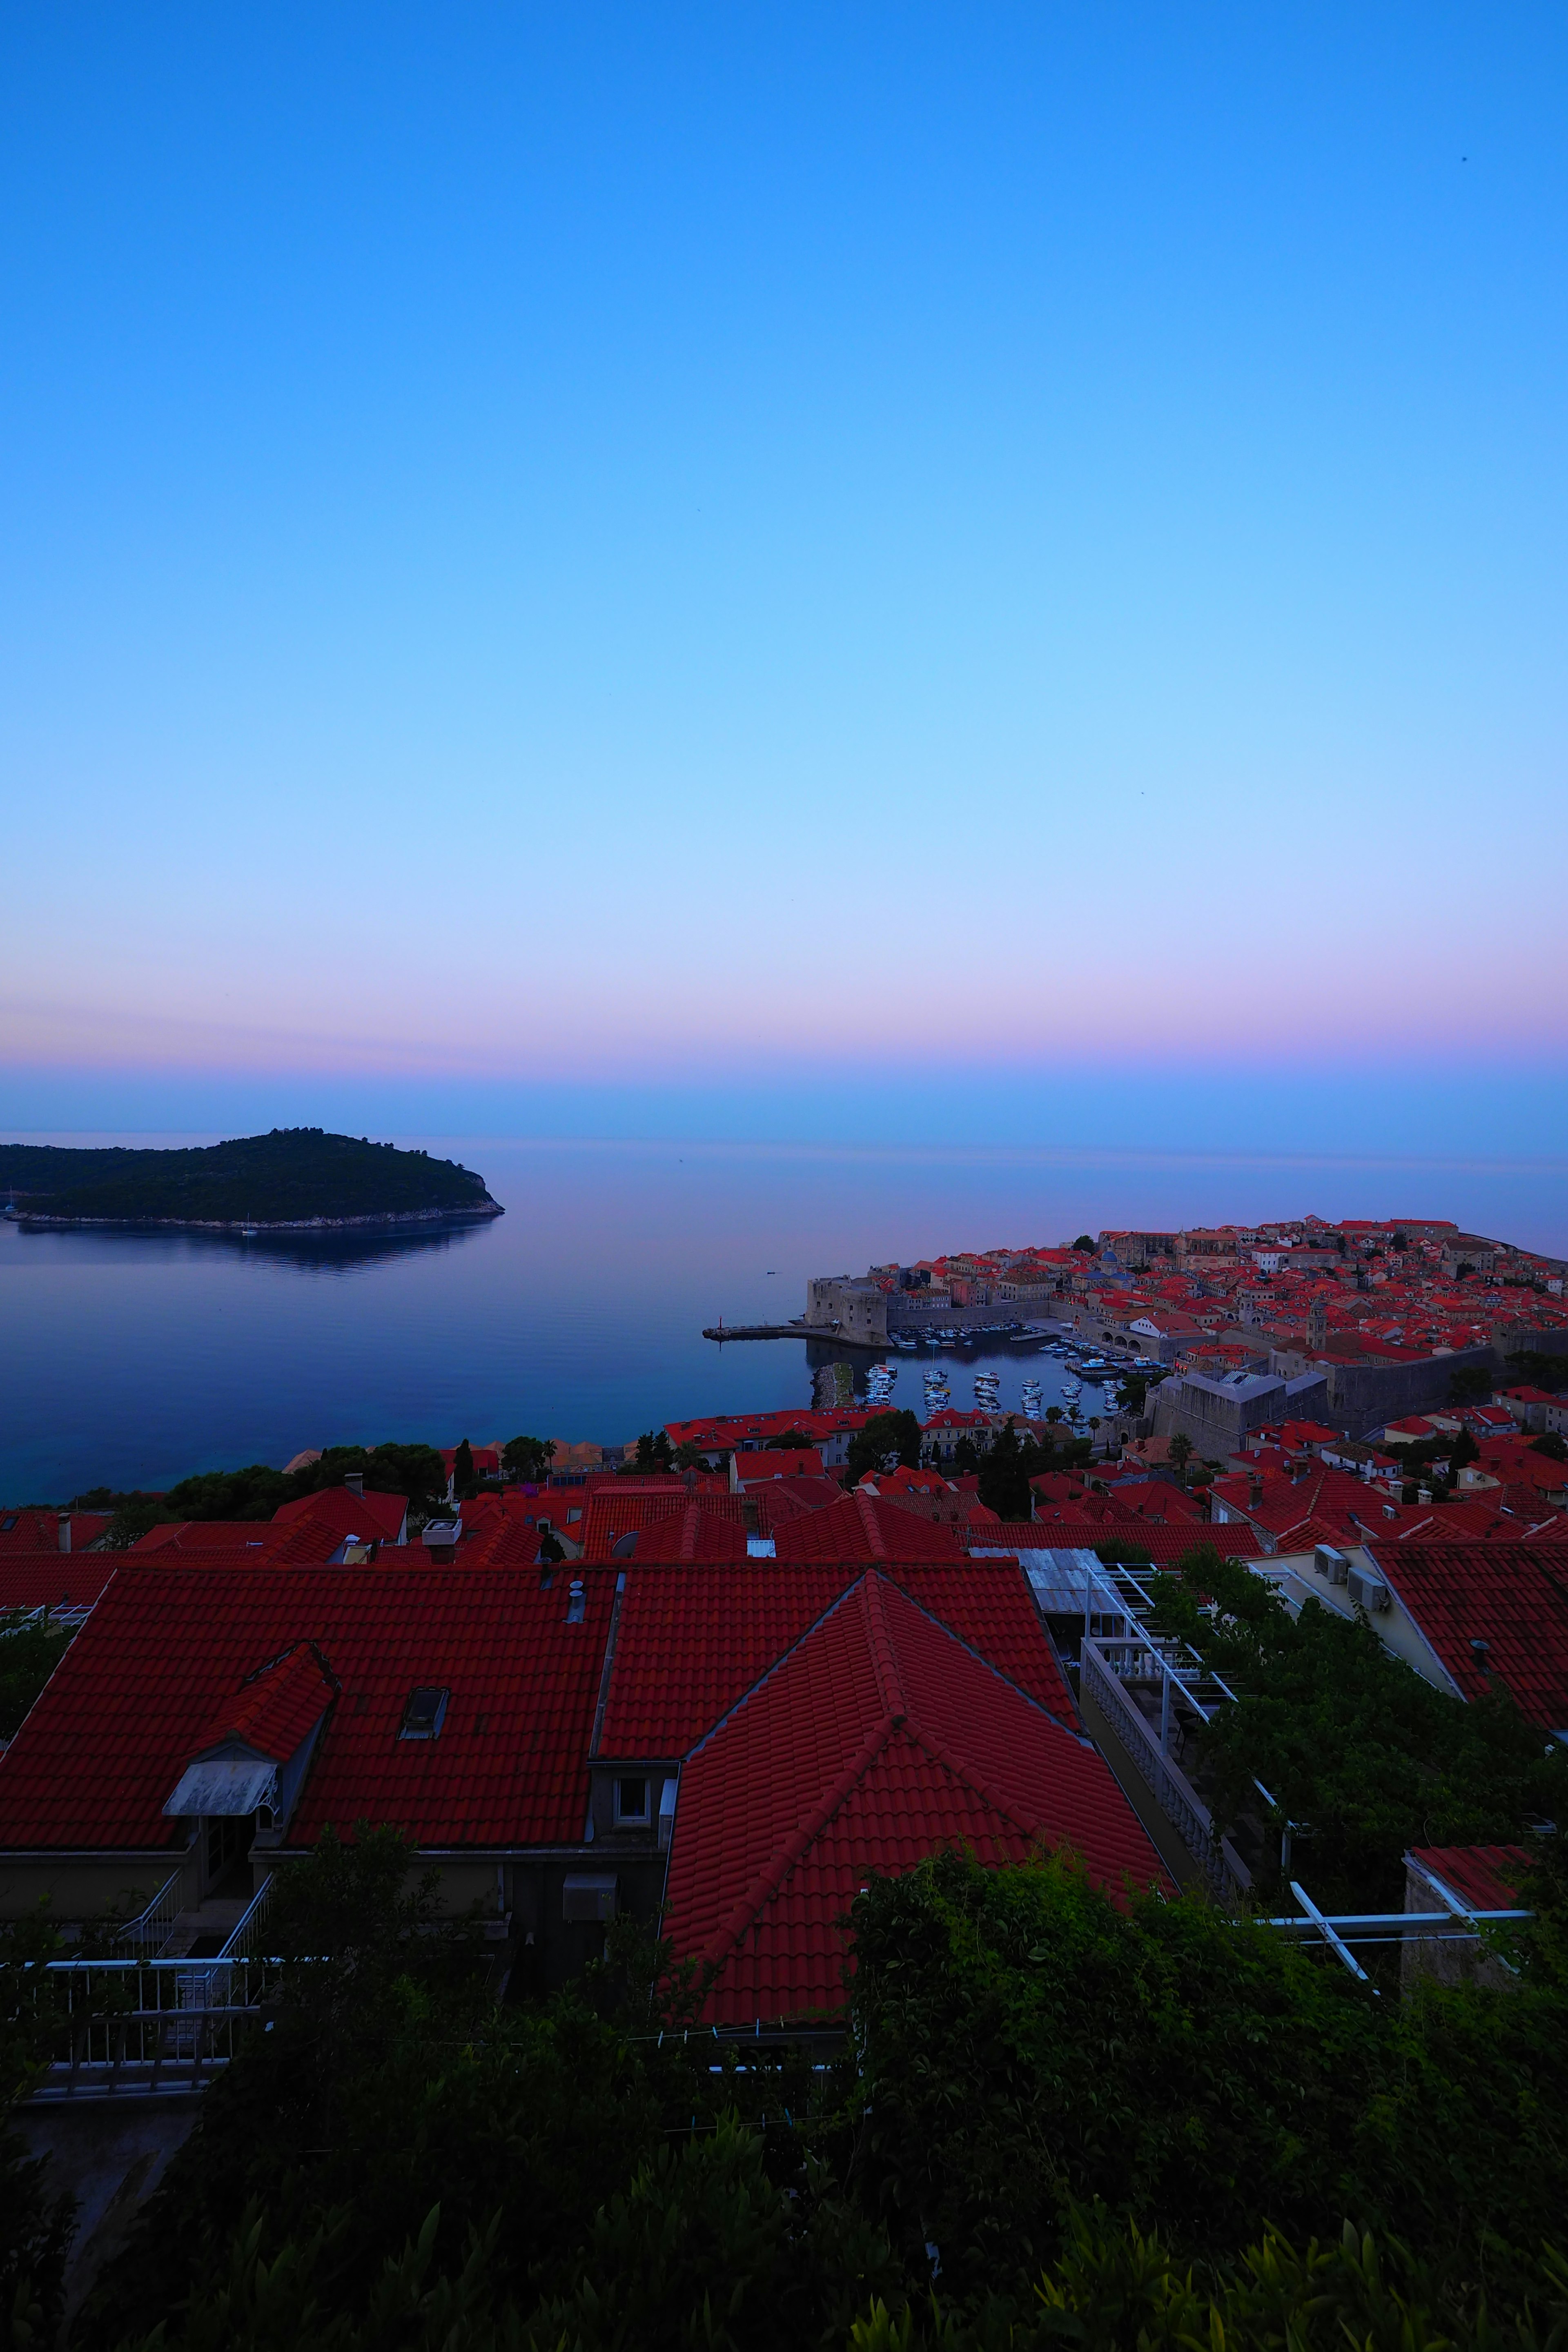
(965, 1457)
(885, 1436)
(1347, 1737)
(528, 1459)
(1004, 1474)
(1471, 1384)
(1555, 1448)
(654, 1454)
(1084, 1242)
(37, 2221)
(31, 1647)
(1180, 1452)
(794, 1441)
(1030, 2042)
(465, 1481)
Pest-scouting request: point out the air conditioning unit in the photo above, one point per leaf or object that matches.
(1368, 1593)
(1330, 1563)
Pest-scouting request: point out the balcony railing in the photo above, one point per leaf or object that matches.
(140, 2026)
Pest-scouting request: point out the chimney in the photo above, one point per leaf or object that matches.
(65, 1527)
(355, 1481)
(1255, 1493)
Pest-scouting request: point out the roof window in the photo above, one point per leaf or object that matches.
(425, 1713)
(631, 1804)
(575, 1602)
(9, 1522)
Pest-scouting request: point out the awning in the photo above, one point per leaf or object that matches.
(226, 1785)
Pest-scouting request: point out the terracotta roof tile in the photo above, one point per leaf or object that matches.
(1513, 1597)
(877, 1739)
(168, 1649)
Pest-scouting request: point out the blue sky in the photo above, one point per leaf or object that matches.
(778, 570)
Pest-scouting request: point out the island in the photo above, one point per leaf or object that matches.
(294, 1177)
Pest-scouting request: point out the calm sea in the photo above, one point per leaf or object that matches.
(132, 1359)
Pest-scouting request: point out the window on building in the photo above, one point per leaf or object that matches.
(631, 1804)
(425, 1713)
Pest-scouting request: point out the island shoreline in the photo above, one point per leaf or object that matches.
(480, 1211)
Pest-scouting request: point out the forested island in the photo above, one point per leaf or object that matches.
(294, 1176)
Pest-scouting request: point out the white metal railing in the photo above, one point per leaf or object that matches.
(151, 1928)
(1120, 1648)
(1167, 1783)
(130, 2027)
(244, 1939)
(1455, 1923)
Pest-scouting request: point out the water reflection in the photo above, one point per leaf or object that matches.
(325, 1249)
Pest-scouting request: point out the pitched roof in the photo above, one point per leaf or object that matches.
(346, 1513)
(610, 1515)
(797, 1461)
(1484, 1877)
(862, 1527)
(695, 1533)
(688, 1648)
(1072, 1532)
(169, 1649)
(1513, 1597)
(27, 1528)
(275, 1707)
(207, 1534)
(877, 1739)
(56, 1580)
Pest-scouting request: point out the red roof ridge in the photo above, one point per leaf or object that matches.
(869, 1522)
(790, 1849)
(776, 1664)
(884, 1658)
(990, 1663)
(939, 1753)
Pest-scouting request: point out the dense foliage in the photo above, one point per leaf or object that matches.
(528, 1458)
(883, 1438)
(1360, 1751)
(35, 2220)
(1010, 1462)
(1068, 2121)
(1026, 2041)
(31, 1647)
(415, 1471)
(291, 1176)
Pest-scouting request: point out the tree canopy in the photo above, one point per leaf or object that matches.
(878, 1440)
(1350, 1741)
(292, 1175)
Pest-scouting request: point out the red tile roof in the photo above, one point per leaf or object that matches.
(25, 1529)
(609, 1516)
(1513, 1597)
(55, 1580)
(877, 1739)
(275, 1707)
(348, 1513)
(207, 1534)
(169, 1648)
(688, 1648)
(797, 1461)
(860, 1527)
(792, 1498)
(696, 1533)
(1073, 1533)
(1484, 1877)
